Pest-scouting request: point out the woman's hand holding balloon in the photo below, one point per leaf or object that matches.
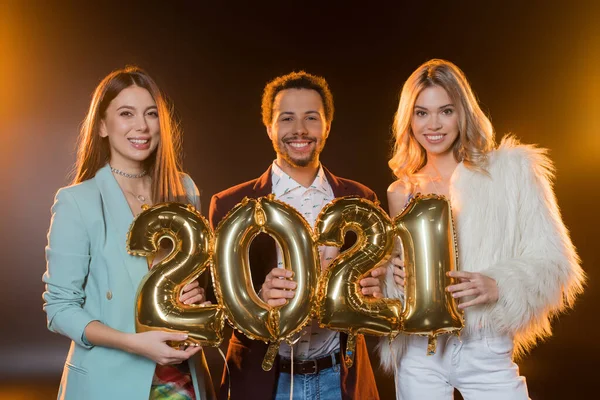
(475, 284)
(153, 345)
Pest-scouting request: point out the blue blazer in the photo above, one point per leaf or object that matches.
(91, 277)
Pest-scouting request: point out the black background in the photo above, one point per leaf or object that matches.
(534, 66)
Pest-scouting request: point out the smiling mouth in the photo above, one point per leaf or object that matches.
(435, 138)
(299, 144)
(139, 141)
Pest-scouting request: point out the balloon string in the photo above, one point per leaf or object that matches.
(431, 345)
(228, 374)
(292, 373)
(292, 344)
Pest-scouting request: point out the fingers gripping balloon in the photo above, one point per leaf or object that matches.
(157, 304)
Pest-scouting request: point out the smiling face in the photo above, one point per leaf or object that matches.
(435, 120)
(298, 129)
(132, 127)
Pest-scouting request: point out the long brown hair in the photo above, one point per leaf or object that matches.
(93, 151)
(476, 134)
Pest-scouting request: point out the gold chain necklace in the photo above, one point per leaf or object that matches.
(437, 189)
(139, 197)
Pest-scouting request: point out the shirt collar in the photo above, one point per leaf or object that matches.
(283, 183)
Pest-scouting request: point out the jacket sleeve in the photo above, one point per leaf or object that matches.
(191, 191)
(544, 276)
(214, 215)
(68, 260)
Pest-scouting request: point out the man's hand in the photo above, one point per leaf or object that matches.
(278, 287)
(371, 285)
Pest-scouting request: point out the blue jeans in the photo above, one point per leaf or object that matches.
(322, 386)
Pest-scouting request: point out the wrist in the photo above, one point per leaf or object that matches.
(129, 343)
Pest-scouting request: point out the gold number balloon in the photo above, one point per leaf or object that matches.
(425, 229)
(428, 240)
(342, 306)
(157, 305)
(232, 276)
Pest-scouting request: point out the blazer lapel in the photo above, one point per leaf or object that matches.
(264, 184)
(339, 189)
(119, 219)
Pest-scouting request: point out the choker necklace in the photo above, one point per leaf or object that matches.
(126, 175)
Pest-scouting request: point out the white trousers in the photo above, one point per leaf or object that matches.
(480, 368)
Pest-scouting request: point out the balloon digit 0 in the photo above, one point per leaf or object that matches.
(232, 277)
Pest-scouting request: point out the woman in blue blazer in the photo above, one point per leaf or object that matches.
(127, 156)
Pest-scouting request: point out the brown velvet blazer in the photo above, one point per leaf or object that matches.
(245, 356)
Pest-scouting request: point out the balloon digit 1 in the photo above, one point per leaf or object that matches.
(232, 276)
(157, 301)
(427, 232)
(342, 306)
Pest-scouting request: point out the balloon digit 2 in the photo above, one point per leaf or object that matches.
(342, 306)
(157, 301)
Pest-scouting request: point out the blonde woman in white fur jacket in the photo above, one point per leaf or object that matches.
(517, 265)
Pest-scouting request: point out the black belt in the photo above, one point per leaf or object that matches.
(308, 367)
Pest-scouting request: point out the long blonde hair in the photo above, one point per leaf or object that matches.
(93, 151)
(476, 134)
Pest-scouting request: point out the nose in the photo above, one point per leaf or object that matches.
(434, 122)
(142, 126)
(300, 127)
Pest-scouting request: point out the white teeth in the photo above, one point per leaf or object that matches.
(139, 141)
(298, 145)
(434, 138)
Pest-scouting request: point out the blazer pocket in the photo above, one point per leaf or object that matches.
(76, 369)
(74, 384)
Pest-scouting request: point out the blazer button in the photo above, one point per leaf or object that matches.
(109, 295)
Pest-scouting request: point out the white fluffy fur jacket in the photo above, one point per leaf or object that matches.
(509, 228)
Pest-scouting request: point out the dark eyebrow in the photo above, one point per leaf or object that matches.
(127, 107)
(292, 113)
(439, 108)
(133, 108)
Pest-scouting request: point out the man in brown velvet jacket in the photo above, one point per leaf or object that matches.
(297, 111)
